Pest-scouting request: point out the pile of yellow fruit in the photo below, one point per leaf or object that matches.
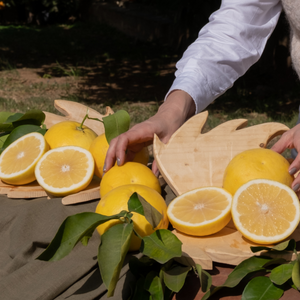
(66, 158)
(256, 194)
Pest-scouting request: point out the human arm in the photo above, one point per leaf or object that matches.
(226, 47)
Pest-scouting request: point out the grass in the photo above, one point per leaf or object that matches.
(98, 66)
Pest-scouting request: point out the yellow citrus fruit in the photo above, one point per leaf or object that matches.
(65, 170)
(265, 211)
(99, 149)
(202, 211)
(254, 164)
(129, 173)
(116, 200)
(69, 133)
(18, 160)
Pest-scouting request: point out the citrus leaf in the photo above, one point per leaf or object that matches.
(19, 132)
(139, 205)
(153, 286)
(140, 267)
(161, 245)
(296, 273)
(3, 125)
(174, 277)
(73, 229)
(289, 245)
(112, 251)
(140, 292)
(34, 117)
(205, 278)
(281, 274)
(115, 124)
(3, 138)
(261, 288)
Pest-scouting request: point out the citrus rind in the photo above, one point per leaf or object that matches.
(56, 190)
(258, 238)
(206, 227)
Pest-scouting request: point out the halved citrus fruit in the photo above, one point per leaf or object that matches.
(18, 160)
(265, 211)
(200, 212)
(65, 170)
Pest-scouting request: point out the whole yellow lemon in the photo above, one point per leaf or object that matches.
(116, 200)
(99, 149)
(69, 133)
(257, 163)
(129, 173)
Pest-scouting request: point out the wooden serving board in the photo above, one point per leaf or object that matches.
(192, 159)
(74, 112)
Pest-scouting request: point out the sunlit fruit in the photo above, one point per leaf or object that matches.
(265, 211)
(18, 160)
(99, 149)
(254, 164)
(70, 133)
(116, 200)
(129, 173)
(201, 211)
(65, 170)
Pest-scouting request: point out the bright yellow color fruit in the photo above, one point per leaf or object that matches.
(65, 170)
(265, 211)
(255, 164)
(129, 173)
(18, 160)
(68, 133)
(200, 212)
(99, 149)
(116, 200)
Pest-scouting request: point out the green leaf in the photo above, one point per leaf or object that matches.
(71, 231)
(296, 273)
(289, 245)
(261, 288)
(161, 245)
(174, 277)
(205, 278)
(281, 274)
(153, 286)
(140, 292)
(142, 266)
(139, 205)
(112, 251)
(5, 127)
(33, 117)
(19, 132)
(3, 138)
(115, 124)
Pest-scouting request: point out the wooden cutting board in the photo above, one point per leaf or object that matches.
(70, 111)
(193, 159)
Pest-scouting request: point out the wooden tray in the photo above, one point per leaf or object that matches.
(75, 112)
(191, 159)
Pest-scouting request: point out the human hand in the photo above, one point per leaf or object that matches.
(177, 108)
(289, 140)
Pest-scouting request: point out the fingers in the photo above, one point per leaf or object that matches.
(155, 168)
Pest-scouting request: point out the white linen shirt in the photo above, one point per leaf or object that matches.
(226, 47)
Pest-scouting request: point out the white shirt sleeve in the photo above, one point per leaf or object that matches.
(226, 47)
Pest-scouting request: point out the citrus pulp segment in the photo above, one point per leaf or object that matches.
(65, 170)
(129, 173)
(265, 211)
(18, 160)
(116, 200)
(200, 212)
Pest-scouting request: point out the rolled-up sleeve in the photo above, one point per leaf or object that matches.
(226, 47)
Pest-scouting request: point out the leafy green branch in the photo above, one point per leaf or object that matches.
(283, 274)
(160, 247)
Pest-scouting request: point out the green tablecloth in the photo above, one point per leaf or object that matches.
(26, 228)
